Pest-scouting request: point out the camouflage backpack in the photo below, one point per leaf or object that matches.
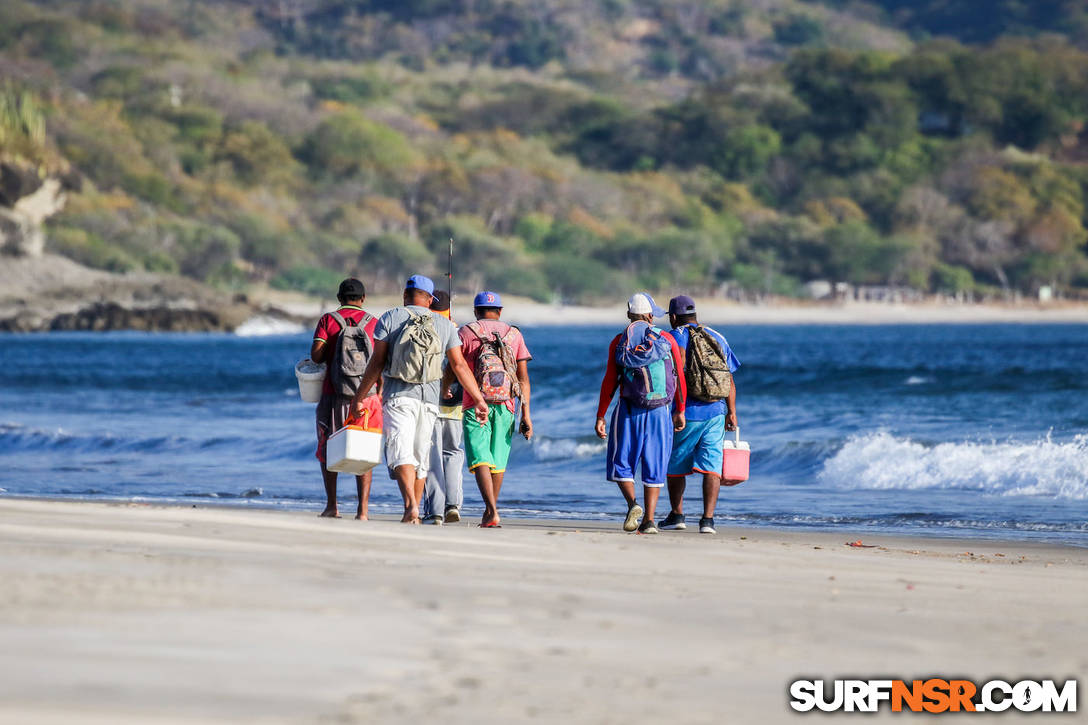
(707, 369)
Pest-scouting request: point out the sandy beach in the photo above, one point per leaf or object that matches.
(149, 614)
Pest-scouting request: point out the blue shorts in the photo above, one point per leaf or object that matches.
(698, 448)
(639, 434)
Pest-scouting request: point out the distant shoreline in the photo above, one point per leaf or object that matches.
(53, 293)
(523, 311)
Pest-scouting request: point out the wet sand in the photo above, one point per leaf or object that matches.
(149, 614)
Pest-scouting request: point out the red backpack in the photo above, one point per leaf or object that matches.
(496, 370)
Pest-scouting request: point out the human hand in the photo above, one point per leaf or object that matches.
(731, 420)
(602, 432)
(357, 406)
(526, 427)
(678, 422)
(481, 411)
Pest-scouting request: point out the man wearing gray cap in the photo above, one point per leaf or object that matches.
(709, 365)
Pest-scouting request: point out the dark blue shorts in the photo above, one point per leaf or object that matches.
(639, 435)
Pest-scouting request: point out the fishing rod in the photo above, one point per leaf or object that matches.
(449, 274)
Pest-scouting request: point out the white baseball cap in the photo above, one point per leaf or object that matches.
(642, 303)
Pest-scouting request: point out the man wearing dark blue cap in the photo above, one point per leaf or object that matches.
(409, 345)
(499, 358)
(698, 447)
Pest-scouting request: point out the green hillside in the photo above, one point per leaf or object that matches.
(976, 21)
(574, 150)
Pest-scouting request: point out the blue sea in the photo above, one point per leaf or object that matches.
(967, 431)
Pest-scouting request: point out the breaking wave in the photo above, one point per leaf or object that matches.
(262, 325)
(558, 449)
(882, 461)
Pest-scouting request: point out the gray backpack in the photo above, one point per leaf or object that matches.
(416, 357)
(351, 354)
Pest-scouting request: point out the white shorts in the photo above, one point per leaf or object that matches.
(408, 426)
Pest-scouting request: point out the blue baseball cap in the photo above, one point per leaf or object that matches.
(487, 299)
(424, 284)
(681, 305)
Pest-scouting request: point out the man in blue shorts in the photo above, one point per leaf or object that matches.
(649, 411)
(698, 447)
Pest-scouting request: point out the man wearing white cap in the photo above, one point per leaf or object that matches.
(645, 364)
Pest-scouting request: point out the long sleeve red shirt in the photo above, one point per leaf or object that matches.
(612, 377)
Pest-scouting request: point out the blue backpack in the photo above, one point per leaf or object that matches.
(647, 370)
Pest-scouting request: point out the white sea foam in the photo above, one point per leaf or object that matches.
(546, 449)
(918, 380)
(263, 325)
(882, 461)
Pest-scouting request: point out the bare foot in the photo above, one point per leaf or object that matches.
(360, 516)
(330, 512)
(490, 522)
(410, 517)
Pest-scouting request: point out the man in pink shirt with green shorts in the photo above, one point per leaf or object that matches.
(497, 354)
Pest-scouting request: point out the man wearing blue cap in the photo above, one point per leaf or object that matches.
(711, 410)
(497, 354)
(646, 366)
(409, 345)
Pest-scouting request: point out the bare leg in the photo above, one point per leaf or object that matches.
(677, 484)
(712, 484)
(649, 495)
(496, 485)
(406, 481)
(627, 488)
(634, 511)
(419, 486)
(486, 483)
(329, 478)
(362, 488)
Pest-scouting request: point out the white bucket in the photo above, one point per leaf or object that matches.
(353, 450)
(311, 377)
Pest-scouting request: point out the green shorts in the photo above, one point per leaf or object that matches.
(488, 444)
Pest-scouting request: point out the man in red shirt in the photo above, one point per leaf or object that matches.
(653, 396)
(334, 408)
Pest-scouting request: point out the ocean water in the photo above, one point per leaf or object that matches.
(970, 431)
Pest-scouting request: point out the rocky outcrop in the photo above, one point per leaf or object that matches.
(112, 316)
(39, 294)
(42, 292)
(26, 201)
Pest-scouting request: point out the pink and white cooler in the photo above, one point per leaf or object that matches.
(735, 460)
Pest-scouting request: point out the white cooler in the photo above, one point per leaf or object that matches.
(353, 449)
